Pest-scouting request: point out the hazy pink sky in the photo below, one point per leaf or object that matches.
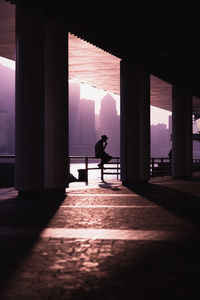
(88, 92)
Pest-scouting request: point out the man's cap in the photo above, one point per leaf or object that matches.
(104, 137)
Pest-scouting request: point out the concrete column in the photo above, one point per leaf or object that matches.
(56, 106)
(29, 101)
(181, 133)
(135, 123)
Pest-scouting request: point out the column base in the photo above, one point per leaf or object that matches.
(42, 193)
(188, 177)
(135, 184)
(54, 192)
(29, 194)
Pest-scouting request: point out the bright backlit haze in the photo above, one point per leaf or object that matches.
(89, 92)
(158, 115)
(7, 63)
(92, 93)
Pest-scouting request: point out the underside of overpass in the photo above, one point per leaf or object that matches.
(104, 38)
(146, 52)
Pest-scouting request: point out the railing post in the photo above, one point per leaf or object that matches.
(117, 168)
(152, 167)
(69, 169)
(86, 168)
(162, 167)
(170, 166)
(102, 174)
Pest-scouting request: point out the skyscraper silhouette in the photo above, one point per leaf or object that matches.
(7, 110)
(81, 123)
(109, 124)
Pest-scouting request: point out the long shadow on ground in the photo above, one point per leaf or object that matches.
(156, 269)
(180, 203)
(136, 270)
(26, 213)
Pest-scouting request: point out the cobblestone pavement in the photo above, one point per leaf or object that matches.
(102, 242)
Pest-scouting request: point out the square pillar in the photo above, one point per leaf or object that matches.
(29, 111)
(135, 123)
(181, 133)
(41, 103)
(56, 105)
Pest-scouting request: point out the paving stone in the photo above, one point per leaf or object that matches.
(41, 268)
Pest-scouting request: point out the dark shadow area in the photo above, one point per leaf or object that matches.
(135, 270)
(27, 213)
(149, 270)
(194, 179)
(110, 186)
(7, 174)
(155, 269)
(152, 269)
(178, 202)
(138, 270)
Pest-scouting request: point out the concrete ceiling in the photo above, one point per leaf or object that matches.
(87, 62)
(90, 64)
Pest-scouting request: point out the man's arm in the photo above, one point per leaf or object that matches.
(105, 145)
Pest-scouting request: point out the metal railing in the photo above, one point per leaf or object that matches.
(4, 157)
(87, 159)
(160, 166)
(196, 165)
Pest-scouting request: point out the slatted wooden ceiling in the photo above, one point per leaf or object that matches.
(88, 63)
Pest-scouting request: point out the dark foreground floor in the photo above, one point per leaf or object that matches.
(102, 242)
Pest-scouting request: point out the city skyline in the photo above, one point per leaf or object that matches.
(159, 133)
(157, 115)
(86, 127)
(93, 93)
(84, 133)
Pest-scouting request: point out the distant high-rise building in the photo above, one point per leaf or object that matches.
(170, 124)
(81, 123)
(87, 127)
(108, 112)
(74, 93)
(7, 110)
(74, 107)
(109, 124)
(160, 140)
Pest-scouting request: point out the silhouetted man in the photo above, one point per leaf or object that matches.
(100, 152)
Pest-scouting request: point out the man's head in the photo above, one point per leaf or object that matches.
(104, 138)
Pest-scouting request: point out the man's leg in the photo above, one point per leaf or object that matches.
(107, 158)
(103, 161)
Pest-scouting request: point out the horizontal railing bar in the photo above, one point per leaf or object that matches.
(111, 163)
(7, 156)
(104, 168)
(111, 173)
(90, 157)
(93, 157)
